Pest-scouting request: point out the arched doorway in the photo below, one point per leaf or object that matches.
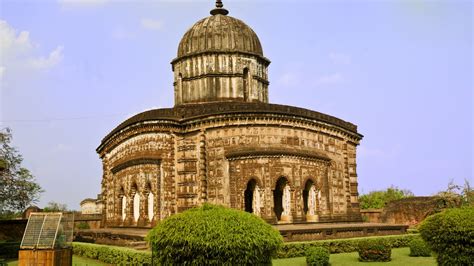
(249, 195)
(310, 201)
(122, 203)
(136, 202)
(246, 84)
(281, 199)
(306, 190)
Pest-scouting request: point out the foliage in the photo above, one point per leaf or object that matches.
(18, 187)
(112, 254)
(317, 256)
(450, 234)
(55, 207)
(399, 258)
(83, 225)
(10, 215)
(419, 248)
(9, 249)
(456, 196)
(298, 249)
(374, 250)
(378, 199)
(214, 235)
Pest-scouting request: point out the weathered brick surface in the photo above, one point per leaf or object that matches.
(212, 159)
(223, 133)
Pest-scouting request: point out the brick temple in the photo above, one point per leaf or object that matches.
(224, 143)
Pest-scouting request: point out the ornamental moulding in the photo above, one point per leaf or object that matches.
(258, 152)
(135, 162)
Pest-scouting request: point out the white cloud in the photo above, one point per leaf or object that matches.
(82, 3)
(53, 59)
(341, 59)
(151, 24)
(330, 79)
(19, 53)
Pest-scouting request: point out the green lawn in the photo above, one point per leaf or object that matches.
(399, 257)
(79, 261)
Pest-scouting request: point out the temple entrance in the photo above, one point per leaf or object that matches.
(281, 198)
(249, 195)
(310, 201)
(306, 190)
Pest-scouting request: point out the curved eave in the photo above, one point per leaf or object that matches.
(214, 52)
(182, 114)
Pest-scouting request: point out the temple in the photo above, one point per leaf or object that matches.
(224, 143)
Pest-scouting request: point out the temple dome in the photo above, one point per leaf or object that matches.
(219, 33)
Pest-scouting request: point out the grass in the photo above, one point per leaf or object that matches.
(399, 257)
(76, 261)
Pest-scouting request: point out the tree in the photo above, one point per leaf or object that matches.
(18, 187)
(55, 207)
(457, 195)
(378, 199)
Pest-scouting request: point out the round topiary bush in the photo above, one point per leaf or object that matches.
(211, 235)
(375, 250)
(419, 248)
(450, 234)
(317, 256)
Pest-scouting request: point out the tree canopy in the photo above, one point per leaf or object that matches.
(378, 199)
(55, 207)
(18, 187)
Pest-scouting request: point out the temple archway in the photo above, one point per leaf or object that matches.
(149, 203)
(136, 202)
(249, 195)
(282, 198)
(306, 190)
(122, 203)
(311, 201)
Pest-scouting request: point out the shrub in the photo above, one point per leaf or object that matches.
(298, 249)
(83, 225)
(214, 235)
(317, 256)
(112, 254)
(374, 250)
(9, 250)
(419, 248)
(450, 234)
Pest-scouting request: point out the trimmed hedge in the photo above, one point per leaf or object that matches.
(375, 250)
(298, 249)
(317, 256)
(419, 248)
(450, 234)
(9, 250)
(213, 234)
(112, 254)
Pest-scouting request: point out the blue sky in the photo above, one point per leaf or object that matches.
(72, 70)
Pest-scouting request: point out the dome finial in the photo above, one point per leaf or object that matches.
(219, 9)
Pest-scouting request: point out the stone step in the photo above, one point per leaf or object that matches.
(139, 245)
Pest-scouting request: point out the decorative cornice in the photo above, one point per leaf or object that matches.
(257, 152)
(180, 116)
(265, 60)
(135, 162)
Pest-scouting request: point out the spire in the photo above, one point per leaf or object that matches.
(219, 9)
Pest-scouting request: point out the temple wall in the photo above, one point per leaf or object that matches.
(213, 161)
(220, 77)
